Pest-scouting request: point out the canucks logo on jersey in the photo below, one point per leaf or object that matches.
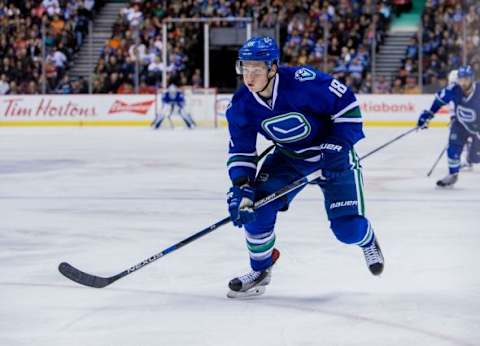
(287, 128)
(304, 74)
(466, 114)
(466, 107)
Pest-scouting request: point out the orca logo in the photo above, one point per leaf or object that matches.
(286, 128)
(466, 114)
(304, 74)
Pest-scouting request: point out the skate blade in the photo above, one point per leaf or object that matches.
(253, 292)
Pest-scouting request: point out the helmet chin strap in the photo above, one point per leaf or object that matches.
(267, 84)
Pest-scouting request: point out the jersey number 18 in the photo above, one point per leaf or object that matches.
(337, 88)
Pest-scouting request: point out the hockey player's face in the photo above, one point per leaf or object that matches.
(466, 84)
(255, 75)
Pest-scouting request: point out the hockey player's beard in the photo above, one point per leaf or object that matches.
(467, 88)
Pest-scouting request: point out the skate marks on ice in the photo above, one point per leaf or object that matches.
(320, 305)
(37, 166)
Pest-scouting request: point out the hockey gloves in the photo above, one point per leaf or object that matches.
(424, 119)
(240, 204)
(334, 154)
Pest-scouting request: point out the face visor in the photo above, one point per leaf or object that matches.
(243, 69)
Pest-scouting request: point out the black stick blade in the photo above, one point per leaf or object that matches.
(83, 278)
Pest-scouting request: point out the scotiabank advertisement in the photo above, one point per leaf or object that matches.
(398, 108)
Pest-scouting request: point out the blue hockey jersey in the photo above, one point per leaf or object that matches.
(175, 97)
(308, 108)
(467, 107)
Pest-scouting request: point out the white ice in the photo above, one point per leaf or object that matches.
(104, 199)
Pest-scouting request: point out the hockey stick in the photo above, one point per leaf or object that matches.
(389, 142)
(86, 279)
(436, 162)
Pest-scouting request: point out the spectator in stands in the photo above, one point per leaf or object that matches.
(411, 86)
(355, 69)
(4, 86)
(412, 48)
(367, 85)
(397, 87)
(155, 71)
(382, 86)
(125, 88)
(79, 86)
(144, 88)
(21, 40)
(197, 80)
(112, 83)
(65, 86)
(52, 7)
(432, 85)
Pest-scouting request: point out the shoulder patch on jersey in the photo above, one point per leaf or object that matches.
(305, 74)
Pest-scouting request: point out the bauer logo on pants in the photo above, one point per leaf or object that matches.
(343, 204)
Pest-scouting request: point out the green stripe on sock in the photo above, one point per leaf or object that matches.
(361, 200)
(243, 158)
(257, 248)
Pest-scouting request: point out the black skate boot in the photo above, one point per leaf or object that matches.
(253, 283)
(374, 258)
(449, 180)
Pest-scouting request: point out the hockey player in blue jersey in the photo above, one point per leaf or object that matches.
(465, 124)
(173, 100)
(314, 121)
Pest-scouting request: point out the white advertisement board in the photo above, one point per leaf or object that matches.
(206, 109)
(92, 110)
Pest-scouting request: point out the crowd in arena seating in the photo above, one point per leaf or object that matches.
(350, 28)
(448, 28)
(136, 38)
(63, 26)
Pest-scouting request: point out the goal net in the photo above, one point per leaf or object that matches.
(201, 104)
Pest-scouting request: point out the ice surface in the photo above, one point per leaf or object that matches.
(104, 199)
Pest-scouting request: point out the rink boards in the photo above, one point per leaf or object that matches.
(207, 108)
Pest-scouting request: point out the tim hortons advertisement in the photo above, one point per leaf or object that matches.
(77, 109)
(377, 110)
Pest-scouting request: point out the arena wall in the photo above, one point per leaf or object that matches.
(207, 110)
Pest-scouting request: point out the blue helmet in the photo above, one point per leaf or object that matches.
(262, 48)
(466, 71)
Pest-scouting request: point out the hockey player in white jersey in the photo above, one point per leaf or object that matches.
(173, 101)
(465, 124)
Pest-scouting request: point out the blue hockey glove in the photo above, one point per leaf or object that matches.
(424, 119)
(240, 204)
(335, 154)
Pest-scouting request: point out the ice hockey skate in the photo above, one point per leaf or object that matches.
(253, 283)
(448, 181)
(374, 258)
